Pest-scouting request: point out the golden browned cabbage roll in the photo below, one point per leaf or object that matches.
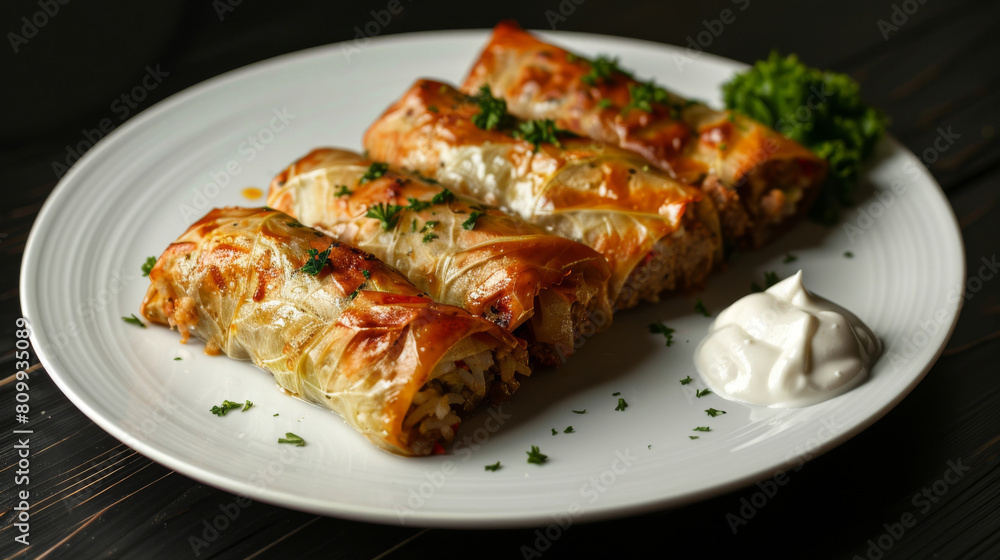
(760, 181)
(334, 325)
(545, 289)
(656, 233)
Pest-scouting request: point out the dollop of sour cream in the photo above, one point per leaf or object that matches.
(786, 348)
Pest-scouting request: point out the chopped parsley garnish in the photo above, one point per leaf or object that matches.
(713, 412)
(686, 380)
(471, 222)
(316, 261)
(840, 128)
(790, 258)
(535, 456)
(342, 190)
(275, 414)
(693, 437)
(666, 331)
(770, 279)
(492, 111)
(538, 131)
(699, 306)
(247, 406)
(443, 197)
(616, 393)
(429, 236)
(413, 226)
(494, 467)
(375, 171)
(702, 429)
(147, 266)
(603, 68)
(621, 404)
(178, 358)
(584, 411)
(388, 214)
(568, 430)
(292, 439)
(642, 96)
(133, 320)
(554, 432)
(604, 103)
(366, 274)
(357, 291)
(429, 225)
(701, 393)
(849, 254)
(432, 108)
(417, 205)
(228, 405)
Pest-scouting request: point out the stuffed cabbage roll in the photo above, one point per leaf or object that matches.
(656, 233)
(543, 288)
(334, 325)
(760, 181)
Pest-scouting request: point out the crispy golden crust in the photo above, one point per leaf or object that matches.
(461, 253)
(356, 337)
(600, 195)
(691, 141)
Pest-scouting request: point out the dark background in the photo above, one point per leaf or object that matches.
(931, 66)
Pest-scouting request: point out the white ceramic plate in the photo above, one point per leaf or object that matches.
(145, 183)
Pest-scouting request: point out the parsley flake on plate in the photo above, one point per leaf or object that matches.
(621, 404)
(584, 411)
(494, 467)
(535, 456)
(701, 393)
(147, 266)
(417, 205)
(686, 380)
(699, 306)
(292, 439)
(666, 331)
(342, 190)
(702, 429)
(713, 412)
(133, 320)
(228, 405)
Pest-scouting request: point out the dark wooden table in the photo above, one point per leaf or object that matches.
(933, 66)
